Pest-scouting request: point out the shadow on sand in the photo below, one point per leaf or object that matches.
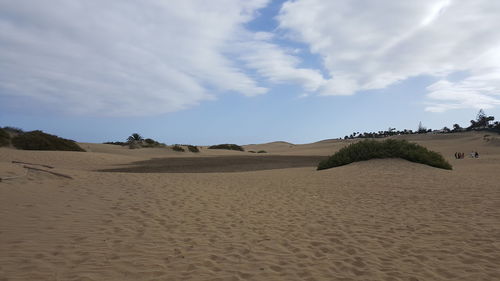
(219, 164)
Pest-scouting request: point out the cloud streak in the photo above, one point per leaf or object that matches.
(278, 64)
(121, 57)
(372, 45)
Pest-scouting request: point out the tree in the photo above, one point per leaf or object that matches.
(480, 115)
(135, 137)
(457, 128)
(134, 141)
(482, 120)
(421, 128)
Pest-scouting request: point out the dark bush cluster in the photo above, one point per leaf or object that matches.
(13, 131)
(116, 143)
(261, 151)
(177, 147)
(4, 138)
(151, 143)
(228, 146)
(135, 141)
(483, 122)
(370, 149)
(38, 140)
(193, 148)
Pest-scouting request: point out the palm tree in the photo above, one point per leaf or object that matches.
(135, 137)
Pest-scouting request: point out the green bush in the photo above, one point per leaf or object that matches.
(137, 141)
(178, 148)
(261, 151)
(193, 148)
(152, 143)
(370, 149)
(228, 146)
(4, 138)
(251, 151)
(38, 140)
(13, 131)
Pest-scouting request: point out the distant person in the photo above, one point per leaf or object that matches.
(456, 155)
(472, 154)
(476, 155)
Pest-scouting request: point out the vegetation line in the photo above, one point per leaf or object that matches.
(228, 146)
(482, 122)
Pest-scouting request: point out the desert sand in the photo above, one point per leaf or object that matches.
(384, 219)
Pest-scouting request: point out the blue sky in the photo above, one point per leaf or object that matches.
(245, 71)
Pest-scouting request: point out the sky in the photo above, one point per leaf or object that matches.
(245, 71)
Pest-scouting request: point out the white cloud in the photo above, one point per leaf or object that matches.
(477, 91)
(278, 64)
(121, 57)
(373, 44)
(152, 57)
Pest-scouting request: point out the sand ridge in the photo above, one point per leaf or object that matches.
(373, 220)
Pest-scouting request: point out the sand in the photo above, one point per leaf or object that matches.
(218, 164)
(374, 220)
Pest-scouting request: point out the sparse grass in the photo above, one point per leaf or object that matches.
(4, 138)
(193, 148)
(134, 145)
(228, 146)
(261, 151)
(38, 140)
(371, 149)
(177, 147)
(251, 151)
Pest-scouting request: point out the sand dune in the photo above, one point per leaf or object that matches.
(284, 148)
(374, 220)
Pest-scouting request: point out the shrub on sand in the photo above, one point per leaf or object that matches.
(38, 140)
(193, 148)
(116, 143)
(13, 131)
(134, 145)
(178, 148)
(228, 146)
(134, 141)
(152, 143)
(137, 141)
(4, 138)
(371, 149)
(261, 151)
